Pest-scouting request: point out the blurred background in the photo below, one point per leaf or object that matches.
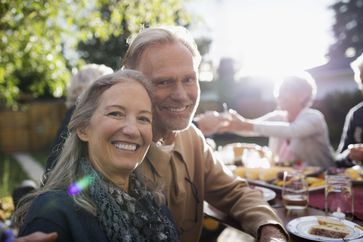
(246, 46)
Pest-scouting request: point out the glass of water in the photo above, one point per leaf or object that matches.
(295, 193)
(339, 196)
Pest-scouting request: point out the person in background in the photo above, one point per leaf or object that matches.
(296, 132)
(23, 189)
(79, 82)
(93, 193)
(179, 156)
(350, 149)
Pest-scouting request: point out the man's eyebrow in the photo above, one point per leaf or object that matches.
(162, 78)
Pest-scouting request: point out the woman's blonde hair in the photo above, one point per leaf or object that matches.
(67, 170)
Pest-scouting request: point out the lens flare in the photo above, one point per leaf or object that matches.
(6, 234)
(78, 186)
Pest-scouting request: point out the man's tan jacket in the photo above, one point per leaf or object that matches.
(190, 175)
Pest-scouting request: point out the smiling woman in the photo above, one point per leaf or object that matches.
(109, 134)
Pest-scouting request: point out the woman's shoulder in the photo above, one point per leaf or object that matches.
(312, 112)
(57, 196)
(50, 203)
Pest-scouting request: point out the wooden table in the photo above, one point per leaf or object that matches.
(285, 215)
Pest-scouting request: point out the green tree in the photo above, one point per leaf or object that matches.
(347, 29)
(39, 38)
(110, 50)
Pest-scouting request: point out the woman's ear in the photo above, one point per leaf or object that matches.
(82, 134)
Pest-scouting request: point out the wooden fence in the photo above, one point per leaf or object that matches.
(33, 129)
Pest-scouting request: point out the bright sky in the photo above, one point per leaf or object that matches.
(268, 37)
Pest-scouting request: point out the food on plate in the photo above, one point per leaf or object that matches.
(314, 181)
(329, 231)
(263, 174)
(355, 173)
(311, 181)
(330, 228)
(240, 171)
(273, 175)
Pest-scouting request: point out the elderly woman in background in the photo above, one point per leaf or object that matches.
(110, 132)
(79, 83)
(295, 131)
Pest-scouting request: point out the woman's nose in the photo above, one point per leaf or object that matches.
(130, 128)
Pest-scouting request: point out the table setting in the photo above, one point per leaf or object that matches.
(301, 195)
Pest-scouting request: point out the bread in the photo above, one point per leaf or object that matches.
(329, 231)
(329, 221)
(330, 228)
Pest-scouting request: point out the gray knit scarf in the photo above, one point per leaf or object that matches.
(129, 217)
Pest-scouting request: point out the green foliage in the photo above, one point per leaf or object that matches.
(11, 175)
(39, 38)
(110, 46)
(347, 29)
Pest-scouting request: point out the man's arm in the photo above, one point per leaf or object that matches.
(272, 233)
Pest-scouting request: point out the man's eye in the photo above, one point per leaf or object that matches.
(163, 82)
(189, 80)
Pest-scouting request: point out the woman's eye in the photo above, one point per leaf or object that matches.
(145, 119)
(115, 114)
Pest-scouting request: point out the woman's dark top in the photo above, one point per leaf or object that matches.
(57, 212)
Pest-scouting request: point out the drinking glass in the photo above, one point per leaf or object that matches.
(295, 194)
(339, 196)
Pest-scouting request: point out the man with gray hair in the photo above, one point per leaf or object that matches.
(180, 158)
(350, 149)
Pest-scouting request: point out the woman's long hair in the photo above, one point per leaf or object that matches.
(67, 169)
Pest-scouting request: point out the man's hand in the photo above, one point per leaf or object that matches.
(356, 152)
(272, 233)
(235, 123)
(210, 121)
(37, 237)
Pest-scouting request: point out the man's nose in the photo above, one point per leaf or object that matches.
(180, 92)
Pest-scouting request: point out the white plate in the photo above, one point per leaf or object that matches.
(268, 194)
(269, 185)
(300, 227)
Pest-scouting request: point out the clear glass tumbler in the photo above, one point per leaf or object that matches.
(295, 193)
(339, 196)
